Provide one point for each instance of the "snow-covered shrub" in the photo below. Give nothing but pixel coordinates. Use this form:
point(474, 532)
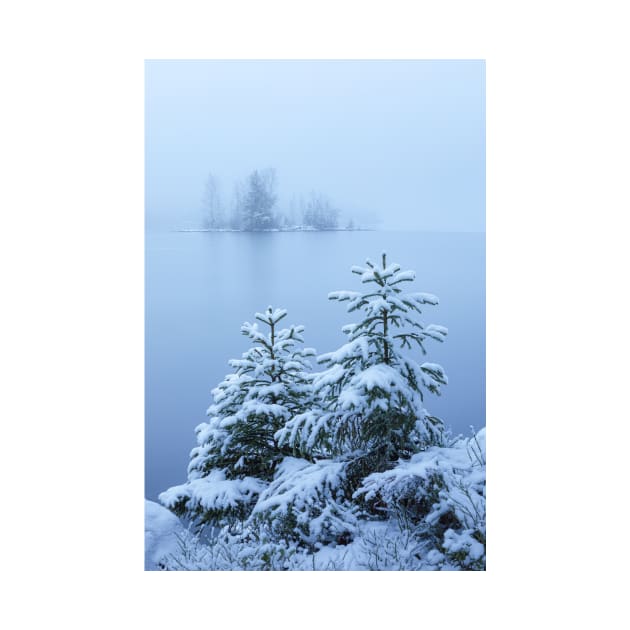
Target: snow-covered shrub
point(246, 550)
point(441, 493)
point(462, 506)
point(466, 548)
point(370, 396)
point(306, 502)
point(398, 546)
point(410, 489)
point(396, 493)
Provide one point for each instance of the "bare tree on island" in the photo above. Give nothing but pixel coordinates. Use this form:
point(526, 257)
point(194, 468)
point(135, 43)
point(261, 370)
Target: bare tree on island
point(213, 216)
point(320, 212)
point(238, 197)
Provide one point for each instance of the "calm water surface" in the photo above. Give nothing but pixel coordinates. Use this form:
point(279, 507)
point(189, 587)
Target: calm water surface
point(200, 287)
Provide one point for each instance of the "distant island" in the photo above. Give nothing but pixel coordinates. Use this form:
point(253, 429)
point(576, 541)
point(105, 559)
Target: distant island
point(253, 208)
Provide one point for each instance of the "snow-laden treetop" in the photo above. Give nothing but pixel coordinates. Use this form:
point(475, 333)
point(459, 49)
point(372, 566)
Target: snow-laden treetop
point(369, 398)
point(388, 319)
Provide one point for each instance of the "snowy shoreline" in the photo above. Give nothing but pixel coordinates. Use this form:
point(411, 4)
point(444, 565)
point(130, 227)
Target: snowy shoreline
point(291, 229)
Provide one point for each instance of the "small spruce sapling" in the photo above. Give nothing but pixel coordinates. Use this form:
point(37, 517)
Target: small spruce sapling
point(371, 394)
point(269, 385)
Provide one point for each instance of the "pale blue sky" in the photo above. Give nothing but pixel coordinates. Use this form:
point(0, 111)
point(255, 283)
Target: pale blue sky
point(401, 140)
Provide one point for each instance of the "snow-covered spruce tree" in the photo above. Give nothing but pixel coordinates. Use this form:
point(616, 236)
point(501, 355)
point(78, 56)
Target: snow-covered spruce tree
point(370, 396)
point(237, 452)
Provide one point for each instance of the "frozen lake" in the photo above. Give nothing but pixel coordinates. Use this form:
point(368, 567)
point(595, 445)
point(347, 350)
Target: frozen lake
point(200, 287)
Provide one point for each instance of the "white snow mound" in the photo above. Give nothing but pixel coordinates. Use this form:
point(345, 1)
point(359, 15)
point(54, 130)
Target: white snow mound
point(162, 533)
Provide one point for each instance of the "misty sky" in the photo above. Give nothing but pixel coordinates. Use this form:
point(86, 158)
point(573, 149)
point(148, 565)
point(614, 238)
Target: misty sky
point(399, 140)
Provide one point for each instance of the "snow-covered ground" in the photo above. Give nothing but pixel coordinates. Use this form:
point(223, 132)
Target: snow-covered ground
point(163, 532)
point(442, 527)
